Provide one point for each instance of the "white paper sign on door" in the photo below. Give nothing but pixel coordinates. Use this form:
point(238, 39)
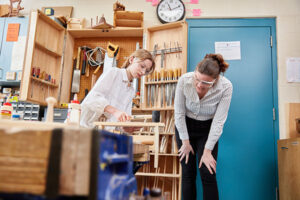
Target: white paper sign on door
point(229, 50)
point(293, 69)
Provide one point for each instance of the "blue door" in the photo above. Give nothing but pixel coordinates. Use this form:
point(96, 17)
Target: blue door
point(246, 167)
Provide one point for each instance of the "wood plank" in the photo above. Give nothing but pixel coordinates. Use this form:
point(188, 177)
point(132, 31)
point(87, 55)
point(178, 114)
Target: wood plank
point(68, 163)
point(21, 177)
point(158, 175)
point(23, 162)
point(292, 112)
point(26, 74)
point(49, 21)
point(288, 168)
point(128, 23)
point(116, 32)
point(67, 71)
point(129, 124)
point(129, 15)
point(83, 157)
point(31, 144)
point(47, 50)
point(22, 188)
point(139, 148)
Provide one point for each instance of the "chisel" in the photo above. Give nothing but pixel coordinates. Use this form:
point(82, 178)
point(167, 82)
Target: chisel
point(162, 75)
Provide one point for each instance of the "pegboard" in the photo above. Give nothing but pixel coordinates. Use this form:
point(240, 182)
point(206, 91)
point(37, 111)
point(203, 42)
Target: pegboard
point(127, 46)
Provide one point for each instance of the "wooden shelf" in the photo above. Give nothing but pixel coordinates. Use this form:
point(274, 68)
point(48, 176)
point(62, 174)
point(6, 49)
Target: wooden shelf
point(166, 154)
point(44, 82)
point(115, 32)
point(158, 109)
point(160, 82)
point(158, 174)
point(48, 51)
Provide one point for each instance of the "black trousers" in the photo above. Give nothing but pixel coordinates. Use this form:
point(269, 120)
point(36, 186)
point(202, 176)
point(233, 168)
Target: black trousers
point(198, 134)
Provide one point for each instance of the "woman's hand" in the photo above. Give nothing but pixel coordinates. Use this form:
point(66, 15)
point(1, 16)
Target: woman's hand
point(121, 116)
point(209, 161)
point(131, 129)
point(185, 150)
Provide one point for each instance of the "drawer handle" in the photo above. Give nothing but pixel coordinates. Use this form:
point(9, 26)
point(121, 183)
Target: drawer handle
point(284, 148)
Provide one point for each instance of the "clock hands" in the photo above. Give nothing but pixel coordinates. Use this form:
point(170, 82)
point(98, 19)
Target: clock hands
point(169, 6)
point(175, 7)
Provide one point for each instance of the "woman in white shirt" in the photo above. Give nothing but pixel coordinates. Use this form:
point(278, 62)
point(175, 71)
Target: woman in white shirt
point(113, 92)
point(202, 102)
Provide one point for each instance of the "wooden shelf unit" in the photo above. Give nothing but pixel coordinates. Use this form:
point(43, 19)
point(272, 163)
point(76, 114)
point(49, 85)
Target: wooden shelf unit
point(44, 82)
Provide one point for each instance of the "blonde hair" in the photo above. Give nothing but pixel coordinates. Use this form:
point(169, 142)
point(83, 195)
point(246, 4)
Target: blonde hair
point(141, 54)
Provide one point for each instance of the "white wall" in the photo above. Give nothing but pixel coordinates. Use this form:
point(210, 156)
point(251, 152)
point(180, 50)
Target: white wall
point(287, 13)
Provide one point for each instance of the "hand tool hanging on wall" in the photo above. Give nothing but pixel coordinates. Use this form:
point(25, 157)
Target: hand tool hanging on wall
point(152, 88)
point(162, 76)
point(113, 52)
point(109, 60)
point(157, 89)
point(76, 74)
point(83, 69)
point(135, 80)
point(98, 63)
point(148, 90)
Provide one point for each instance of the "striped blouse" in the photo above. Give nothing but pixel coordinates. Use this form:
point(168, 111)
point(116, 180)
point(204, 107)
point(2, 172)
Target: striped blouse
point(214, 105)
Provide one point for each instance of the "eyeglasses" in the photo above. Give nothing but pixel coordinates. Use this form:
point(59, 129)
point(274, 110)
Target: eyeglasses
point(206, 84)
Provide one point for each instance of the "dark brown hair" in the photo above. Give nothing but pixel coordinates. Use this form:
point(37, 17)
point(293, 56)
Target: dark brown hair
point(141, 54)
point(212, 65)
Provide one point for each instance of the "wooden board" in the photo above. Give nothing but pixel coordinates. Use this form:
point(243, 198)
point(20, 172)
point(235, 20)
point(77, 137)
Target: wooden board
point(24, 161)
point(75, 164)
point(128, 19)
point(292, 112)
point(288, 168)
point(4, 10)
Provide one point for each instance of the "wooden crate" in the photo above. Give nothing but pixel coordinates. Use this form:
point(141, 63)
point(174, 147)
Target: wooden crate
point(25, 158)
point(172, 39)
point(128, 19)
point(288, 168)
point(47, 49)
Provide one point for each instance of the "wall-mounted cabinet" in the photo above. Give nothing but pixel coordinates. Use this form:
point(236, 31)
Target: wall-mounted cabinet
point(12, 52)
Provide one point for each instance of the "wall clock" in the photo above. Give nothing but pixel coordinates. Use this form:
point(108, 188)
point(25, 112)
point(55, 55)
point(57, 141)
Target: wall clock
point(170, 11)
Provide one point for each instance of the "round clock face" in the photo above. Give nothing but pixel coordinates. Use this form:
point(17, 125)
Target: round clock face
point(170, 11)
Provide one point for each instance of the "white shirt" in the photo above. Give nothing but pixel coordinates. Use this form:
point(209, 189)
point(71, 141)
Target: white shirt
point(214, 105)
point(112, 88)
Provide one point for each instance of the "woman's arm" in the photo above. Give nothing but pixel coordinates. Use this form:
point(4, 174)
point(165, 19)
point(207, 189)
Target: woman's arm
point(219, 118)
point(96, 101)
point(180, 122)
point(180, 110)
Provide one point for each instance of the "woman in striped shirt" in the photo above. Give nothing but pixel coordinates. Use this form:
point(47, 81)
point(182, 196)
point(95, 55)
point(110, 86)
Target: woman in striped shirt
point(202, 102)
